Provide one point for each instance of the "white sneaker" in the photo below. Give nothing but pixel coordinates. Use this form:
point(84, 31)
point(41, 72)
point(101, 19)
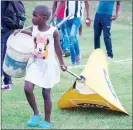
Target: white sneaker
point(6, 87)
point(109, 58)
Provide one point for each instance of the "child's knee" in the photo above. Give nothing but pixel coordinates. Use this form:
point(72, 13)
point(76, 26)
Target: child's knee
point(46, 94)
point(28, 89)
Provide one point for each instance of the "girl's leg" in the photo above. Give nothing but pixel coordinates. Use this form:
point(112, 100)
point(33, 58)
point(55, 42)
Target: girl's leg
point(77, 50)
point(47, 102)
point(65, 42)
point(28, 88)
point(58, 20)
point(74, 32)
point(70, 40)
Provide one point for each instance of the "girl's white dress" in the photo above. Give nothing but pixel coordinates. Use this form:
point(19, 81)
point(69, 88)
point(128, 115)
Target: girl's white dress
point(44, 72)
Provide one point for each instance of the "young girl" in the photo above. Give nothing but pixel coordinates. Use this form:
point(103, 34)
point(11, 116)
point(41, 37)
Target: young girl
point(42, 68)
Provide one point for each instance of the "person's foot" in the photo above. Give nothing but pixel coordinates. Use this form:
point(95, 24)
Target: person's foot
point(45, 124)
point(63, 54)
point(110, 58)
point(73, 63)
point(34, 120)
point(66, 53)
point(6, 86)
point(78, 62)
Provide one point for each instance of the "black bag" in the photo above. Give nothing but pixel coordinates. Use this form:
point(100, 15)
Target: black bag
point(15, 15)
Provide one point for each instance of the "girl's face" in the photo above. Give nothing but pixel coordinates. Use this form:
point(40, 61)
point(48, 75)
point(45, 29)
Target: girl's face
point(37, 18)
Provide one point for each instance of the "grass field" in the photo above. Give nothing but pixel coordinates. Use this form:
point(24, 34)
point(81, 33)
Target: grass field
point(16, 111)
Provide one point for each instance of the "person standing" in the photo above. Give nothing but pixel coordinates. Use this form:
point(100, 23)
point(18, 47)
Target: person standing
point(12, 17)
point(73, 24)
point(5, 33)
point(62, 29)
point(43, 69)
point(103, 20)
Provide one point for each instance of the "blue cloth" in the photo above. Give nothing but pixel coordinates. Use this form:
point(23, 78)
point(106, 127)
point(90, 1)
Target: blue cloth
point(72, 27)
point(103, 22)
point(63, 36)
point(105, 7)
point(4, 5)
point(4, 37)
point(5, 33)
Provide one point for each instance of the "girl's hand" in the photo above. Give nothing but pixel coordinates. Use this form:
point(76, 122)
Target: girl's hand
point(64, 67)
point(16, 32)
point(88, 22)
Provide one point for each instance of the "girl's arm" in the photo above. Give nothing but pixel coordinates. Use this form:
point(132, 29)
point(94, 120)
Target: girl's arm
point(53, 10)
point(87, 7)
point(58, 7)
point(58, 50)
point(24, 31)
point(27, 32)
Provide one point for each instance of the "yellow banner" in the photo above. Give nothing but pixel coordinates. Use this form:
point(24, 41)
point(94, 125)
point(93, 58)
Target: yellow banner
point(97, 91)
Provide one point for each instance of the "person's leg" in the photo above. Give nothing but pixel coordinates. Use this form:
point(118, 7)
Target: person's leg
point(70, 38)
point(76, 45)
point(107, 35)
point(7, 79)
point(65, 42)
point(36, 117)
point(28, 88)
point(80, 29)
point(47, 103)
point(97, 30)
point(77, 51)
point(3, 49)
point(60, 32)
point(47, 108)
point(74, 32)
point(63, 38)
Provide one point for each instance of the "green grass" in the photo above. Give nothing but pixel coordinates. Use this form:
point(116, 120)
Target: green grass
point(16, 111)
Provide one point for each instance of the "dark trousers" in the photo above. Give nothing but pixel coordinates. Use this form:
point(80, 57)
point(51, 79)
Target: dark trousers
point(4, 37)
point(103, 22)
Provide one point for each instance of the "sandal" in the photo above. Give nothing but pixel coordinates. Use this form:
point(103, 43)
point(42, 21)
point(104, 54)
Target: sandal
point(45, 124)
point(34, 120)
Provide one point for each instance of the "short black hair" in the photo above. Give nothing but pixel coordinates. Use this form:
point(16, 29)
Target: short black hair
point(43, 10)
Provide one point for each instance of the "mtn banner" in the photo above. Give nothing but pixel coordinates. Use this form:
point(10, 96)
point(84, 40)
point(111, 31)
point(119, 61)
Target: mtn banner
point(97, 90)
